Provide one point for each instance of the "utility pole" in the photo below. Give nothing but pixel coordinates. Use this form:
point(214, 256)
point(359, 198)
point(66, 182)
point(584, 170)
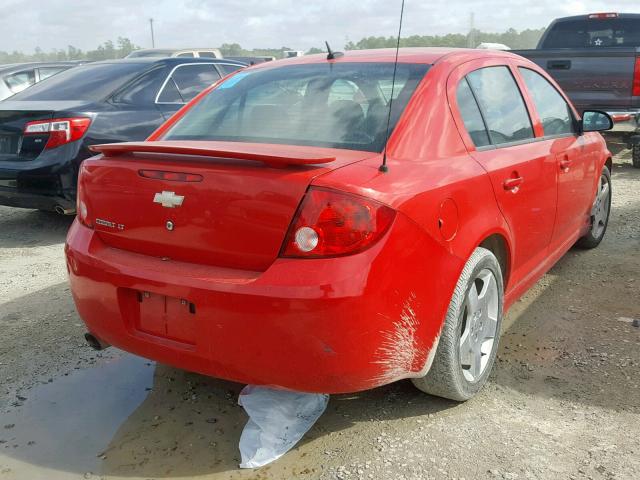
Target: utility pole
point(471, 42)
point(153, 40)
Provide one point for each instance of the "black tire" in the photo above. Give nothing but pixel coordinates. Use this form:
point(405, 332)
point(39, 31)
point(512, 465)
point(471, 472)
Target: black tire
point(635, 155)
point(595, 235)
point(445, 378)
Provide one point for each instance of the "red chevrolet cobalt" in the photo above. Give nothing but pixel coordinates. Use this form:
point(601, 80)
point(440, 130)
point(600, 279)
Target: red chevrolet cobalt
point(320, 225)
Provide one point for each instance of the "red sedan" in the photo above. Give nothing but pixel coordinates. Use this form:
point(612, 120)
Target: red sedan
point(258, 237)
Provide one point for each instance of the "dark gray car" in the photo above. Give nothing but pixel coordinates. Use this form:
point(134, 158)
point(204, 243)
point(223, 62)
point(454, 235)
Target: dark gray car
point(596, 60)
point(16, 77)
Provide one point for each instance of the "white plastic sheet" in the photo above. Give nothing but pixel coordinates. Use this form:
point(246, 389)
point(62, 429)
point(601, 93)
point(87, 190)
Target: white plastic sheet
point(278, 419)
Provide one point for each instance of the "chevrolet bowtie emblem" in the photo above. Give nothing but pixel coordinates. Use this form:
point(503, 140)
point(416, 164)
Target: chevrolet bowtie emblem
point(168, 199)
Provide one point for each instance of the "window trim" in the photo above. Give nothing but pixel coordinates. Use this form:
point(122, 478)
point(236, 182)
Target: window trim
point(166, 80)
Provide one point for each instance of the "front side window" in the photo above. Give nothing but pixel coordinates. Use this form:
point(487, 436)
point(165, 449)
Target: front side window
point(228, 68)
point(187, 81)
point(554, 111)
point(343, 105)
point(471, 116)
point(502, 105)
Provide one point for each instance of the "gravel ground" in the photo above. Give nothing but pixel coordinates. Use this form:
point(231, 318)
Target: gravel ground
point(563, 402)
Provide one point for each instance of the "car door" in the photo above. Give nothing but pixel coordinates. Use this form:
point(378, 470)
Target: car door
point(500, 136)
point(575, 163)
point(183, 84)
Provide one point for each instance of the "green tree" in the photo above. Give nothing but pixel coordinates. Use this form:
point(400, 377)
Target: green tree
point(232, 50)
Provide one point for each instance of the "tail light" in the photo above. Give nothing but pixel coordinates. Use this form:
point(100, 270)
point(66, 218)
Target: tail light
point(635, 90)
point(61, 130)
point(82, 210)
point(331, 224)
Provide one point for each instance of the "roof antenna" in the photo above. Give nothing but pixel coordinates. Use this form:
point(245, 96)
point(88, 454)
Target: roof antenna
point(383, 168)
point(332, 55)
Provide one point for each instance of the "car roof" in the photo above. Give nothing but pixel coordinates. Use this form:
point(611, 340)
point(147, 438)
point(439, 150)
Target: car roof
point(173, 49)
point(20, 66)
point(586, 17)
point(425, 55)
point(168, 61)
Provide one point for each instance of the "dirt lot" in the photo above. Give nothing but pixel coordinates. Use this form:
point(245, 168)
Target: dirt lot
point(563, 402)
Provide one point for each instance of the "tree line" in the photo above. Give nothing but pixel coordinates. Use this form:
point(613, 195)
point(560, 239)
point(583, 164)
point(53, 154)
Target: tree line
point(123, 46)
point(107, 51)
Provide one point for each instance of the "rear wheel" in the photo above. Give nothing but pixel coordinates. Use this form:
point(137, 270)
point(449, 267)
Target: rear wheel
point(600, 212)
point(468, 342)
point(635, 155)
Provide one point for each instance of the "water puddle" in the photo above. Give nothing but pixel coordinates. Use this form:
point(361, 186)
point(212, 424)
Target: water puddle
point(63, 426)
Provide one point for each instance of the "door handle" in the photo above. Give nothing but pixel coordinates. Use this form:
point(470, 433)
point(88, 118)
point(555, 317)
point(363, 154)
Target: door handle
point(565, 163)
point(559, 65)
point(512, 184)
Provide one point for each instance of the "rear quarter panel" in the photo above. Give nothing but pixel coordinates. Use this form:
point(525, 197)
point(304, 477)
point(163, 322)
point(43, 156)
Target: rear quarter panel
point(434, 182)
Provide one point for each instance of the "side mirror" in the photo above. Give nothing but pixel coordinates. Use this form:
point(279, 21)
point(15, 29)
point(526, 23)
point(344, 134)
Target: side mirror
point(596, 121)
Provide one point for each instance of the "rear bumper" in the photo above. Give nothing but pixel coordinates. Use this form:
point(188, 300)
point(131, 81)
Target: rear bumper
point(328, 325)
point(46, 182)
point(15, 197)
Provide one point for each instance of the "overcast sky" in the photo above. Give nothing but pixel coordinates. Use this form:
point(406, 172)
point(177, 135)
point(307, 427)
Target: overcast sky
point(266, 23)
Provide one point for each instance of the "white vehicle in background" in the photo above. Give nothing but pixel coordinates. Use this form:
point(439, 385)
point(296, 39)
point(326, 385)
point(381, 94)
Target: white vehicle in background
point(175, 52)
point(493, 46)
point(16, 77)
point(293, 53)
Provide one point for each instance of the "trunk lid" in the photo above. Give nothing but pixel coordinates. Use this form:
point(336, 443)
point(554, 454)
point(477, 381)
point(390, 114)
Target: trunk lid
point(14, 115)
point(226, 204)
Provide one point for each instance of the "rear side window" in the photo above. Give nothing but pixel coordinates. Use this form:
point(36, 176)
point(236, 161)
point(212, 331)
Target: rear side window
point(187, 81)
point(206, 55)
point(594, 33)
point(185, 55)
point(471, 115)
point(553, 109)
point(20, 80)
point(501, 103)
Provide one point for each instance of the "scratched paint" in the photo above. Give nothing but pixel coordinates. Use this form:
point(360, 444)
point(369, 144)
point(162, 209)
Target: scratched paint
point(400, 349)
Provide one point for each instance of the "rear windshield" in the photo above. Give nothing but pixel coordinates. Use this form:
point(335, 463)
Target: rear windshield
point(338, 105)
point(594, 33)
point(86, 82)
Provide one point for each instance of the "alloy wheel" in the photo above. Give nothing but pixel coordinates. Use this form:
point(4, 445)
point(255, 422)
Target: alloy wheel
point(479, 325)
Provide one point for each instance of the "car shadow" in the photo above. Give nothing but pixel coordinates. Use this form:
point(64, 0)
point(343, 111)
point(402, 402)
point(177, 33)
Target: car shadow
point(20, 228)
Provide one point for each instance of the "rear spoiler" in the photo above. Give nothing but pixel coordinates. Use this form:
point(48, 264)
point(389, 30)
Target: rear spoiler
point(274, 155)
